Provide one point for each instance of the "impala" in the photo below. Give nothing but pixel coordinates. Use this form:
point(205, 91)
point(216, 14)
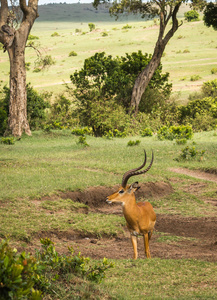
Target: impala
point(140, 217)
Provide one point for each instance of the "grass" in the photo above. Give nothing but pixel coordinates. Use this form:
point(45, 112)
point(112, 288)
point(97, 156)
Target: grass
point(35, 169)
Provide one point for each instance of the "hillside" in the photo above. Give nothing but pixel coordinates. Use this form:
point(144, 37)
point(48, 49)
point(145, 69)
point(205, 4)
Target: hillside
point(84, 13)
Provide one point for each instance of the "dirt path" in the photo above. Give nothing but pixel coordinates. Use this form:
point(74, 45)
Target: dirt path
point(196, 174)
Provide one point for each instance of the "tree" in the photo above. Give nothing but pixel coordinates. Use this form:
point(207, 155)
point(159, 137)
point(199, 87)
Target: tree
point(191, 16)
point(102, 101)
point(167, 11)
point(210, 15)
point(14, 39)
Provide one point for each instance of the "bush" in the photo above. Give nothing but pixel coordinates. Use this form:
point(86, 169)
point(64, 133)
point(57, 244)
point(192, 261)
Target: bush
point(146, 132)
point(55, 34)
point(133, 143)
point(214, 71)
point(189, 153)
point(24, 276)
point(191, 16)
point(32, 37)
point(195, 77)
point(91, 26)
point(209, 88)
point(82, 141)
point(82, 131)
point(175, 132)
point(36, 106)
point(8, 140)
point(73, 53)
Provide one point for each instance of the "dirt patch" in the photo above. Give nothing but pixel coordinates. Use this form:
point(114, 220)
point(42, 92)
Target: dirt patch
point(197, 174)
point(197, 240)
point(95, 197)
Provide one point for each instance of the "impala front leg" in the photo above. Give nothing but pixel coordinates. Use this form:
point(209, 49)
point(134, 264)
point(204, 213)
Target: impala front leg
point(134, 243)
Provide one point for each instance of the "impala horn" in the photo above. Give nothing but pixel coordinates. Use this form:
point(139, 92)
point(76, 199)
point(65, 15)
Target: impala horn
point(136, 171)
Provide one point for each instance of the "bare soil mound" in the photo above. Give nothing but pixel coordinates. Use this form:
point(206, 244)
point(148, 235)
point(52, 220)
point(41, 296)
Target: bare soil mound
point(95, 197)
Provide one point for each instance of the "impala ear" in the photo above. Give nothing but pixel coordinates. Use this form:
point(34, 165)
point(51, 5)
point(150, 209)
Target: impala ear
point(134, 186)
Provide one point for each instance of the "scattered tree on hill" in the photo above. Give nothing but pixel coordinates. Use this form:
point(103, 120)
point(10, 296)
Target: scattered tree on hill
point(210, 15)
point(14, 35)
point(167, 11)
point(192, 15)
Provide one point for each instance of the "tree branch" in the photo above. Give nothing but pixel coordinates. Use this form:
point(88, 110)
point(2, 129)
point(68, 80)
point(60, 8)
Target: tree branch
point(3, 12)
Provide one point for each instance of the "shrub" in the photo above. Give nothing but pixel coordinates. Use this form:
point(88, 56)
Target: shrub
point(195, 77)
point(189, 153)
point(175, 132)
point(133, 143)
point(8, 140)
point(17, 274)
point(32, 37)
point(127, 26)
point(24, 276)
point(91, 26)
point(55, 34)
point(191, 16)
point(82, 141)
point(36, 105)
point(82, 131)
point(209, 88)
point(146, 132)
point(214, 71)
point(104, 33)
point(73, 53)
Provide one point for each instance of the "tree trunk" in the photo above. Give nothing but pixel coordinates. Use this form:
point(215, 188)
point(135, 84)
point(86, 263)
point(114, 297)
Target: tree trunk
point(17, 121)
point(14, 42)
point(144, 78)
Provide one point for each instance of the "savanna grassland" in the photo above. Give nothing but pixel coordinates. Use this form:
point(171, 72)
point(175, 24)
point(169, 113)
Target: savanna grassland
point(190, 55)
point(52, 186)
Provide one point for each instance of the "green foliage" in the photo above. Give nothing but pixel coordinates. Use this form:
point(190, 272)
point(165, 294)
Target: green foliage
point(127, 26)
point(175, 132)
point(17, 274)
point(23, 276)
point(103, 101)
point(44, 62)
point(91, 26)
point(191, 16)
point(61, 111)
point(209, 88)
point(195, 77)
point(55, 34)
point(146, 132)
point(133, 143)
point(82, 141)
point(201, 113)
point(214, 71)
point(189, 153)
point(73, 53)
point(36, 106)
point(210, 14)
point(104, 33)
point(82, 131)
point(181, 141)
point(8, 140)
point(32, 37)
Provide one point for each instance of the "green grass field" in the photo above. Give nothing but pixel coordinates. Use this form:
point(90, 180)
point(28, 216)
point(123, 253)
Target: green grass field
point(192, 50)
point(45, 164)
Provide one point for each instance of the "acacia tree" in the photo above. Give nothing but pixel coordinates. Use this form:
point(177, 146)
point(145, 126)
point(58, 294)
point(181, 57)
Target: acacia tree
point(14, 42)
point(167, 11)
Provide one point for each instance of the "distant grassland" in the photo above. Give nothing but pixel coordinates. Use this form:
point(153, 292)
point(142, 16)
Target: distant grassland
point(192, 50)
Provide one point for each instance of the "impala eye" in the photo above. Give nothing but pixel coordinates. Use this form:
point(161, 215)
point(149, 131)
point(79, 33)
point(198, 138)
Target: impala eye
point(121, 192)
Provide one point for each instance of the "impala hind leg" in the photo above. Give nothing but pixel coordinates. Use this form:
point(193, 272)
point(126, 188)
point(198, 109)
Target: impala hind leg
point(134, 243)
point(146, 244)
